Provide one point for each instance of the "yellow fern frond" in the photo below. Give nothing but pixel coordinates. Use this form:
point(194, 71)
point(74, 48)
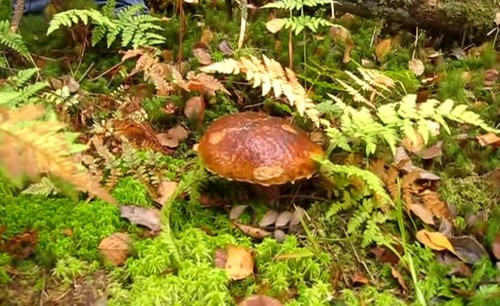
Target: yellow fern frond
point(270, 75)
point(31, 146)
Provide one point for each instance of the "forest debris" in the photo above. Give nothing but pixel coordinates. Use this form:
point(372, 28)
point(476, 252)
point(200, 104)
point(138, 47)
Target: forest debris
point(495, 247)
point(401, 281)
point(488, 139)
point(165, 191)
point(434, 203)
point(260, 300)
point(275, 25)
point(416, 66)
point(490, 78)
point(359, 279)
point(269, 218)
point(236, 211)
point(384, 255)
point(115, 248)
point(251, 231)
point(342, 35)
point(283, 219)
point(297, 216)
point(195, 109)
point(225, 48)
point(422, 213)
point(167, 140)
point(434, 240)
point(468, 249)
point(148, 217)
point(279, 235)
point(383, 48)
point(205, 84)
point(236, 260)
point(178, 132)
point(431, 152)
point(458, 267)
point(202, 54)
point(22, 245)
point(140, 134)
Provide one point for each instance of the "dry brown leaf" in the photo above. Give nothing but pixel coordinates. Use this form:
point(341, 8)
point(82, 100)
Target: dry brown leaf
point(432, 152)
point(433, 202)
point(422, 213)
point(225, 48)
point(148, 217)
point(279, 235)
point(488, 139)
point(21, 246)
point(384, 255)
point(239, 263)
point(251, 231)
point(495, 247)
point(275, 25)
point(468, 249)
point(260, 300)
point(283, 219)
point(434, 240)
point(195, 109)
point(165, 191)
point(416, 66)
point(395, 273)
point(115, 248)
point(141, 135)
point(383, 48)
point(202, 55)
point(297, 216)
point(236, 211)
point(342, 35)
point(205, 83)
point(207, 36)
point(268, 218)
point(359, 279)
point(178, 132)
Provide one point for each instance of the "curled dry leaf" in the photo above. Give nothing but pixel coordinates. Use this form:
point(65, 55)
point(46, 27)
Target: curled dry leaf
point(359, 279)
point(148, 217)
point(279, 235)
point(431, 152)
point(178, 132)
point(416, 66)
point(283, 219)
point(260, 300)
point(269, 218)
point(401, 281)
point(468, 249)
point(225, 48)
point(488, 139)
point(275, 25)
point(195, 109)
point(384, 255)
point(167, 140)
point(239, 263)
point(202, 55)
point(251, 231)
point(165, 191)
point(236, 211)
point(458, 267)
point(115, 248)
point(434, 240)
point(297, 216)
point(422, 213)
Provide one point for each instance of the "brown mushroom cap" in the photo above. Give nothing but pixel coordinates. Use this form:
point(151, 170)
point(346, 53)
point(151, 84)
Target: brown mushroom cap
point(257, 148)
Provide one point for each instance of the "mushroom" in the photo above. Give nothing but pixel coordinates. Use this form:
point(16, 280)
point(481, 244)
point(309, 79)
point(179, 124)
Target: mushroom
point(258, 149)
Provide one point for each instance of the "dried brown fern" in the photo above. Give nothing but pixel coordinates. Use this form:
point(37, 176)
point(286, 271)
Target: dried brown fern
point(270, 75)
point(31, 146)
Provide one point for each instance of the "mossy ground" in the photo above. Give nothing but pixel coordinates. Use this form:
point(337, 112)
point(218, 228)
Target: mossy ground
point(67, 268)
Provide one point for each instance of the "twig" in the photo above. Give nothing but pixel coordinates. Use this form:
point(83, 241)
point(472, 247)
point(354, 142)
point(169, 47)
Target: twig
point(17, 16)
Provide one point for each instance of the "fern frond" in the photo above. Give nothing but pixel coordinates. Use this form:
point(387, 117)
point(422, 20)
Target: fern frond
point(31, 146)
point(45, 187)
point(270, 75)
point(13, 41)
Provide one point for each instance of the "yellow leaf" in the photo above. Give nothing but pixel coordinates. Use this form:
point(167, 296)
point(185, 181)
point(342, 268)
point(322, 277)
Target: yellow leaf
point(383, 48)
point(239, 262)
point(275, 25)
point(434, 240)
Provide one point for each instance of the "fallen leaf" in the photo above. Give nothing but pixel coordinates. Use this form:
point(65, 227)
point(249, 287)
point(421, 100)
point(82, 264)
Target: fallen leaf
point(275, 25)
point(220, 258)
point(226, 48)
point(195, 109)
point(148, 217)
point(167, 140)
point(115, 248)
point(202, 55)
point(251, 231)
point(457, 267)
point(206, 36)
point(490, 78)
point(488, 139)
point(297, 216)
point(495, 247)
point(433, 202)
point(416, 66)
point(431, 152)
point(260, 300)
point(236, 211)
point(165, 191)
point(342, 35)
point(178, 132)
point(239, 263)
point(384, 255)
point(279, 235)
point(21, 246)
point(283, 219)
point(468, 249)
point(422, 213)
point(383, 48)
point(359, 279)
point(268, 218)
point(434, 240)
point(395, 273)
